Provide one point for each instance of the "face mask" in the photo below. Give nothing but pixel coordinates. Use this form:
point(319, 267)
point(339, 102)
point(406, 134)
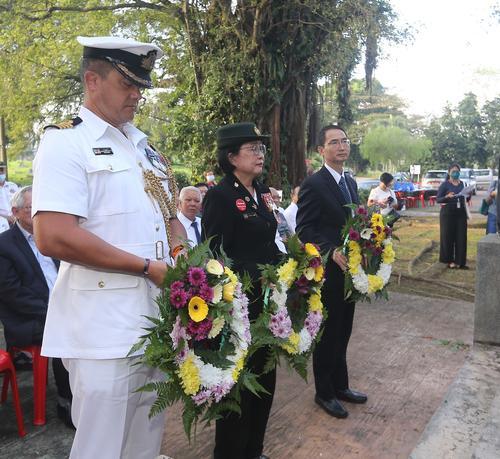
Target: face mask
point(455, 175)
point(2, 177)
point(210, 178)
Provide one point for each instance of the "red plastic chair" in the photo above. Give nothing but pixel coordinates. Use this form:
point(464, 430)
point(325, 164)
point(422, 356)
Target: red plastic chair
point(432, 200)
point(7, 367)
point(421, 196)
point(40, 369)
point(411, 201)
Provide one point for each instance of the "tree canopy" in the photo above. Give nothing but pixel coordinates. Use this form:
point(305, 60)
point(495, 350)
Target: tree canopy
point(226, 61)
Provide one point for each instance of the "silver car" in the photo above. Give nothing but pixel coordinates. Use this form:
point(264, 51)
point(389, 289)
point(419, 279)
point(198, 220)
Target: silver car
point(433, 179)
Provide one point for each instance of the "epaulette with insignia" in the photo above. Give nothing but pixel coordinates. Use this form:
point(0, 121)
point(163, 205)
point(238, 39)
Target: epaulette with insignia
point(65, 124)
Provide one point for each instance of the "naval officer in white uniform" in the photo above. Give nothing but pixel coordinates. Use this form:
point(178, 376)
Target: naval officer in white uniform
point(92, 212)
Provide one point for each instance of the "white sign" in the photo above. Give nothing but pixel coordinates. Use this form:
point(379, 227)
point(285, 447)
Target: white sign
point(415, 169)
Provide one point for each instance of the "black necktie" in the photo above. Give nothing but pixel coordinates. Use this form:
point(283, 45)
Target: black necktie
point(196, 232)
point(345, 190)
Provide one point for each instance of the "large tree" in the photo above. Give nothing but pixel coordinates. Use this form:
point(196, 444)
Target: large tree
point(226, 61)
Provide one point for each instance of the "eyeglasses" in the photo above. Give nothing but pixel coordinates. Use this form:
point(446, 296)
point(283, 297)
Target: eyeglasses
point(256, 149)
point(337, 142)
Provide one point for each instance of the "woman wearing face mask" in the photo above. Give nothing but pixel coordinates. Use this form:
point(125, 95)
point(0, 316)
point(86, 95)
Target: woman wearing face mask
point(453, 220)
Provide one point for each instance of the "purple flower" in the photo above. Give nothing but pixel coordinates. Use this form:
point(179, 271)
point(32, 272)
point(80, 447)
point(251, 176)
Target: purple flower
point(361, 211)
point(178, 298)
point(177, 285)
point(353, 235)
point(206, 292)
point(315, 262)
point(199, 330)
point(302, 284)
point(196, 276)
point(178, 332)
point(221, 390)
point(313, 322)
point(280, 324)
point(201, 397)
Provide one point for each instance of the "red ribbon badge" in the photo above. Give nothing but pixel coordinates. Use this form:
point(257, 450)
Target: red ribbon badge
point(240, 205)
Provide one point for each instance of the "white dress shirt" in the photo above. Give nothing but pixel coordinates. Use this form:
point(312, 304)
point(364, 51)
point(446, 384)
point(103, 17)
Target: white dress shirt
point(290, 214)
point(188, 226)
point(46, 263)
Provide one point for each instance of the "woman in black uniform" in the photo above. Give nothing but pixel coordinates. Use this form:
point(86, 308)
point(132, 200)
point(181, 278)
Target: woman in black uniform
point(238, 214)
point(452, 220)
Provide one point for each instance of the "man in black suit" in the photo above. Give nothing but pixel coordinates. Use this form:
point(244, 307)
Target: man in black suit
point(26, 279)
point(320, 217)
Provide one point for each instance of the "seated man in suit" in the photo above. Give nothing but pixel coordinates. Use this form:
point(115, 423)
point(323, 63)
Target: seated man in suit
point(26, 280)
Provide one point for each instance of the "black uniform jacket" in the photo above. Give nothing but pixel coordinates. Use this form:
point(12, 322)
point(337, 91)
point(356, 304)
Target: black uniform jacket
point(321, 213)
point(24, 294)
point(244, 228)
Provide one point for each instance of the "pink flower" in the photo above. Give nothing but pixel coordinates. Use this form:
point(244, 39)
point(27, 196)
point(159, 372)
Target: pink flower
point(313, 322)
point(206, 292)
point(178, 298)
point(201, 397)
point(199, 330)
point(361, 211)
point(353, 235)
point(178, 333)
point(177, 285)
point(196, 276)
point(302, 284)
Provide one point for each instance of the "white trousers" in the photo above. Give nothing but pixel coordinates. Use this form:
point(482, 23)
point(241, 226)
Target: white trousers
point(111, 419)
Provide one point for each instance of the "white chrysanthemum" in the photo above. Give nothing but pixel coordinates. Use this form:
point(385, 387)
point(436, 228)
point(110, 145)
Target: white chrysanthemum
point(385, 272)
point(209, 375)
point(305, 341)
point(366, 233)
point(279, 295)
point(217, 326)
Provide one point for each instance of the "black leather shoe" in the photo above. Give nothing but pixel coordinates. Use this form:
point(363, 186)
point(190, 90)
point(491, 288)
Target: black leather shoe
point(64, 414)
point(332, 406)
point(352, 396)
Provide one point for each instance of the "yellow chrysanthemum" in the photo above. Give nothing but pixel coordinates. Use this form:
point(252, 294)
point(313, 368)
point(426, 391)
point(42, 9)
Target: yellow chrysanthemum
point(354, 260)
point(311, 250)
point(388, 256)
point(292, 345)
point(232, 277)
point(375, 283)
point(190, 376)
point(286, 273)
point(217, 326)
point(237, 369)
point(315, 303)
point(228, 292)
point(377, 220)
point(197, 309)
point(318, 273)
point(214, 267)
point(354, 248)
point(309, 273)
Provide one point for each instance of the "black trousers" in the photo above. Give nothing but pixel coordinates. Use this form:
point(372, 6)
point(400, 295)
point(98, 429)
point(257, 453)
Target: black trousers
point(329, 358)
point(242, 437)
point(453, 235)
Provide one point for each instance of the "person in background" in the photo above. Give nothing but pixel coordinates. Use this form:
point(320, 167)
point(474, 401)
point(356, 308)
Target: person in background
point(209, 175)
point(26, 281)
point(491, 222)
point(383, 195)
point(189, 207)
point(7, 190)
point(452, 221)
point(283, 232)
point(290, 212)
point(238, 216)
point(203, 187)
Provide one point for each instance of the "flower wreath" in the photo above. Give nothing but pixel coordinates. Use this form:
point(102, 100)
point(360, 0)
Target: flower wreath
point(368, 245)
point(293, 313)
point(200, 340)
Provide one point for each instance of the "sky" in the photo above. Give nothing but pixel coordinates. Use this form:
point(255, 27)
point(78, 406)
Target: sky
point(455, 50)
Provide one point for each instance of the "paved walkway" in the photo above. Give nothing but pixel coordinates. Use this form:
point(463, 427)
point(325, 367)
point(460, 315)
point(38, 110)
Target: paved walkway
point(404, 353)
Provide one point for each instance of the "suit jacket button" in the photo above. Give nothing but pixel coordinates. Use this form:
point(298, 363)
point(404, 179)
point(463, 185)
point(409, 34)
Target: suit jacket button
point(101, 284)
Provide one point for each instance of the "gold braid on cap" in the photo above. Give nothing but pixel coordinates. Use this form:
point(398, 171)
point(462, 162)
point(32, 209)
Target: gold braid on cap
point(153, 186)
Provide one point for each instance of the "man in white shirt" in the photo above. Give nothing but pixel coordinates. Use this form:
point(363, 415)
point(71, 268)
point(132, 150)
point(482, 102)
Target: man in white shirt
point(290, 212)
point(189, 207)
point(104, 204)
point(7, 190)
point(383, 195)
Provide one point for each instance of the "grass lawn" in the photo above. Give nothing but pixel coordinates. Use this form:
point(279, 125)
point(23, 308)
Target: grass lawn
point(427, 273)
point(20, 172)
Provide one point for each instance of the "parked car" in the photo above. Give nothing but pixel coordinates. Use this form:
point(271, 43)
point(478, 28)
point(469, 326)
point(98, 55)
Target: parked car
point(367, 184)
point(433, 179)
point(484, 177)
point(467, 176)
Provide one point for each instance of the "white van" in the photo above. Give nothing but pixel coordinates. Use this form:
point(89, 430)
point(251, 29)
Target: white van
point(484, 177)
